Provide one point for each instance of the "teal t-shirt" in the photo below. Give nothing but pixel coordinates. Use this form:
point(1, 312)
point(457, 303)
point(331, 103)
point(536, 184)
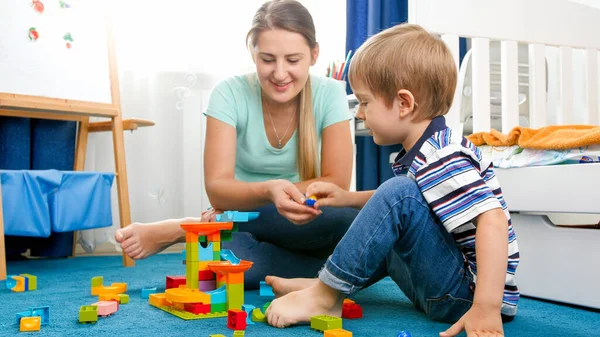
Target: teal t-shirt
point(237, 102)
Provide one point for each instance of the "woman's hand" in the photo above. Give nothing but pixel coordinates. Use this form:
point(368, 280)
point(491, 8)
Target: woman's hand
point(290, 202)
point(328, 194)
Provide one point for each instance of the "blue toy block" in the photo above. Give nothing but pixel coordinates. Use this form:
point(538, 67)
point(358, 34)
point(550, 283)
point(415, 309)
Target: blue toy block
point(23, 314)
point(266, 290)
point(228, 255)
point(10, 282)
point(248, 309)
point(43, 312)
point(235, 216)
point(205, 254)
point(403, 334)
point(147, 291)
point(218, 296)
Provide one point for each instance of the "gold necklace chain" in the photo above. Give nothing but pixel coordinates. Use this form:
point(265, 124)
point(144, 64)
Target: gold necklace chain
point(279, 144)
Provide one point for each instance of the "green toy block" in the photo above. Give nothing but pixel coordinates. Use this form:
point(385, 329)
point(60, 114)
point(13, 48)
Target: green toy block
point(218, 307)
point(123, 298)
point(226, 236)
point(202, 239)
point(31, 281)
point(325, 322)
point(189, 316)
point(217, 256)
point(88, 313)
point(264, 309)
point(235, 296)
point(258, 316)
point(235, 227)
point(238, 333)
point(97, 281)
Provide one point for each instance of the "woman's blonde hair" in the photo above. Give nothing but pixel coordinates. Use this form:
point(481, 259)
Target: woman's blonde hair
point(406, 56)
point(292, 16)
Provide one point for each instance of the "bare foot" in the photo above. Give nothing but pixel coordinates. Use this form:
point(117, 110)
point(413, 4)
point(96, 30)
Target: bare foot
point(140, 241)
point(299, 306)
point(283, 286)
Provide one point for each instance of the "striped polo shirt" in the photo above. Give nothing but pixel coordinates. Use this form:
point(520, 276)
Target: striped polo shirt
point(459, 184)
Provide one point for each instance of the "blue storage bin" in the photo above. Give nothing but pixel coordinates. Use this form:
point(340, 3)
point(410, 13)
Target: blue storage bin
point(25, 201)
point(82, 201)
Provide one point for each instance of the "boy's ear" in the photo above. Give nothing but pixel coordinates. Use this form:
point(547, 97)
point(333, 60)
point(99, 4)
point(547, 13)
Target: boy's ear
point(314, 54)
point(406, 102)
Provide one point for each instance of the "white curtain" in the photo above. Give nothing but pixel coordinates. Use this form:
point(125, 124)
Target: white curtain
point(170, 55)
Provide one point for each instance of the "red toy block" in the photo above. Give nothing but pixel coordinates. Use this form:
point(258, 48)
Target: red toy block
point(352, 311)
point(175, 281)
point(205, 275)
point(197, 308)
point(236, 319)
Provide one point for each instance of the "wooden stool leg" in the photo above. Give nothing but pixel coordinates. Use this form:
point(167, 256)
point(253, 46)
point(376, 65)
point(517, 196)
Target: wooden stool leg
point(2, 247)
point(122, 186)
point(80, 153)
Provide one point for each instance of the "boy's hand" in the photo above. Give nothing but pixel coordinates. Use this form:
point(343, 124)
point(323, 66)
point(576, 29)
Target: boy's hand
point(477, 322)
point(328, 194)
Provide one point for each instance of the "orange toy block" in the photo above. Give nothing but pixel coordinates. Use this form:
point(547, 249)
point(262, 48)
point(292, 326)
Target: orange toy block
point(215, 237)
point(158, 300)
point(109, 297)
point(348, 301)
point(30, 323)
point(337, 333)
point(235, 278)
point(113, 289)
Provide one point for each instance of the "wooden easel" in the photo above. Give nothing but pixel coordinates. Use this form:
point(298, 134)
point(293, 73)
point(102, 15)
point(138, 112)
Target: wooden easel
point(27, 106)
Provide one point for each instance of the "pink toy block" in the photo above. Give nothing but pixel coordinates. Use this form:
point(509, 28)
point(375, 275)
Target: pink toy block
point(207, 285)
point(106, 308)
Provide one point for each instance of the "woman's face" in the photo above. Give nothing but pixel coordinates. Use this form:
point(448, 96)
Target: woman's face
point(283, 59)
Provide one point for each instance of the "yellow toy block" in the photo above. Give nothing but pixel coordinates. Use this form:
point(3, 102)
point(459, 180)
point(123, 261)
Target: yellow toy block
point(113, 289)
point(238, 333)
point(31, 281)
point(157, 300)
point(216, 246)
point(20, 286)
point(337, 333)
point(109, 297)
point(123, 298)
point(217, 335)
point(258, 316)
point(30, 323)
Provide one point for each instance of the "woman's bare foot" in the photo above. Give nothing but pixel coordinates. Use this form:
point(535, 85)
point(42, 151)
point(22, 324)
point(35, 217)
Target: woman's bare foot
point(299, 306)
point(140, 241)
point(283, 286)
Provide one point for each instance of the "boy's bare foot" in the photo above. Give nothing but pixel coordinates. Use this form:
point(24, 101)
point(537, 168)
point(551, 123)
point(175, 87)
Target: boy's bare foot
point(140, 241)
point(299, 306)
point(283, 286)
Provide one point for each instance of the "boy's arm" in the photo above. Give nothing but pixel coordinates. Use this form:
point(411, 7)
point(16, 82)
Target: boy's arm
point(359, 199)
point(491, 239)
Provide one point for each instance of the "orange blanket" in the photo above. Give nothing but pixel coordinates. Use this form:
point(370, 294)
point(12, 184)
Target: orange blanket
point(557, 137)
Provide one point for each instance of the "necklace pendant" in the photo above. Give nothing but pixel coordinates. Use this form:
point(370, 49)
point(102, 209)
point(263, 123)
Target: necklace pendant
point(279, 144)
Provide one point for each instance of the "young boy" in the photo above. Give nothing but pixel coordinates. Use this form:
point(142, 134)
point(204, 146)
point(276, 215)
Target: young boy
point(440, 229)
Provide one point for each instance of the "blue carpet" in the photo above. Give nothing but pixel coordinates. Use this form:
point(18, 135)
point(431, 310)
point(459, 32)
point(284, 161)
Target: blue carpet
point(64, 285)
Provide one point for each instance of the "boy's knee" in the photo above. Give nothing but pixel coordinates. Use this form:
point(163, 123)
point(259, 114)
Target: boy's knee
point(399, 186)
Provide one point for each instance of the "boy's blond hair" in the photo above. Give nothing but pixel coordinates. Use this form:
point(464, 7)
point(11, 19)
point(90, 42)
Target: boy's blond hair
point(408, 57)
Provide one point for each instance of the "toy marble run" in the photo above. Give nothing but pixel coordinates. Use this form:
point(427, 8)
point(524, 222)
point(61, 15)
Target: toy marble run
point(214, 280)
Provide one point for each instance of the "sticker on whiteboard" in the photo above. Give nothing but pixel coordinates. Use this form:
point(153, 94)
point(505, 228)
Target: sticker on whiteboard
point(33, 34)
point(64, 4)
point(37, 6)
point(69, 40)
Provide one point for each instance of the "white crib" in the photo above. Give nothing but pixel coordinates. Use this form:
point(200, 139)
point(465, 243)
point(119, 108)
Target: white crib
point(557, 263)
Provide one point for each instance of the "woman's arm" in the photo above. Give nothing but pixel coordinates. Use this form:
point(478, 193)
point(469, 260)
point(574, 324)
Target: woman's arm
point(224, 191)
point(337, 151)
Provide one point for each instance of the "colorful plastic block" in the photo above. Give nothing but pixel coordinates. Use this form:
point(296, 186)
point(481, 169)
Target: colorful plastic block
point(325, 322)
point(147, 291)
point(88, 314)
point(16, 283)
point(239, 333)
point(30, 281)
point(43, 312)
point(310, 201)
point(219, 295)
point(30, 324)
point(403, 334)
point(235, 296)
point(106, 308)
point(236, 319)
point(352, 311)
point(157, 300)
point(207, 285)
point(266, 290)
point(174, 281)
point(265, 307)
point(197, 308)
point(204, 275)
point(206, 253)
point(217, 335)
point(23, 314)
point(123, 298)
point(189, 316)
point(248, 309)
point(258, 316)
point(337, 333)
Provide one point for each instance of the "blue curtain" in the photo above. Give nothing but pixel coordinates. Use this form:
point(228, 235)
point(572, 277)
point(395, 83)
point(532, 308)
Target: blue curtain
point(365, 18)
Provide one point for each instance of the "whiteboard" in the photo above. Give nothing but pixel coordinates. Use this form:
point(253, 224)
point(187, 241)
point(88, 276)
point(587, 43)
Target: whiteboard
point(46, 66)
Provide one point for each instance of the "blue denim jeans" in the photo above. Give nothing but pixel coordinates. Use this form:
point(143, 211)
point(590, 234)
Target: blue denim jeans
point(280, 248)
point(397, 234)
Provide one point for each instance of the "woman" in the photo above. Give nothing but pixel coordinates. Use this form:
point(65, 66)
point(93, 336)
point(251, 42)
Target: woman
point(269, 135)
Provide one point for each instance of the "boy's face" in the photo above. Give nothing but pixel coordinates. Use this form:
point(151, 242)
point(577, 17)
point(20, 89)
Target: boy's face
point(383, 122)
point(283, 59)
